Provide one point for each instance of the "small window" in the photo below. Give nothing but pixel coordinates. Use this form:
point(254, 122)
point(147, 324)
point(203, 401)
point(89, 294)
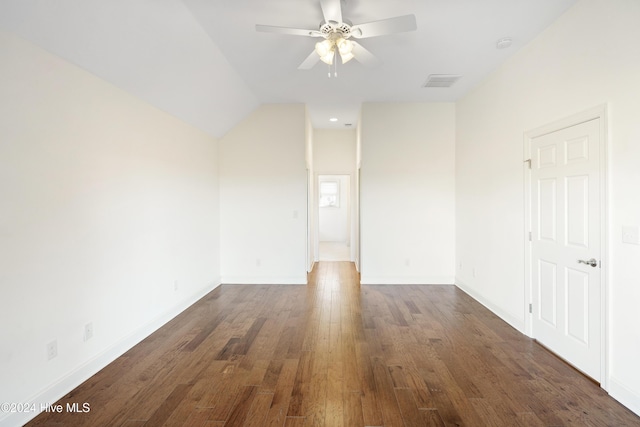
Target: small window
point(329, 194)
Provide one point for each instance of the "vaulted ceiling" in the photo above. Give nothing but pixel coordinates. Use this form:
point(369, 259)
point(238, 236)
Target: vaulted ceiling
point(203, 62)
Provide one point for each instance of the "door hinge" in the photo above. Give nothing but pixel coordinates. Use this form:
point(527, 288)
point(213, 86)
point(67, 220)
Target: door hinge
point(528, 162)
point(530, 308)
point(530, 238)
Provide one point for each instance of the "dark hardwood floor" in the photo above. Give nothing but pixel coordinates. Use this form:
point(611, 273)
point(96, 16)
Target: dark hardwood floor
point(337, 354)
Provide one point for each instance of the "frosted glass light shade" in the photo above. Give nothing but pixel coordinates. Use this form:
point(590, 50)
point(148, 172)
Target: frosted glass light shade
point(346, 57)
point(324, 47)
point(344, 46)
point(328, 58)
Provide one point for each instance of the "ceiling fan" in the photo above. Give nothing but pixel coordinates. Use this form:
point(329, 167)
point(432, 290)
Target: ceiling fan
point(337, 32)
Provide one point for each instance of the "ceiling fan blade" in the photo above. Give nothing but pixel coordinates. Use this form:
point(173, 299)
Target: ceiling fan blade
point(363, 56)
point(309, 63)
point(332, 10)
point(399, 24)
point(288, 31)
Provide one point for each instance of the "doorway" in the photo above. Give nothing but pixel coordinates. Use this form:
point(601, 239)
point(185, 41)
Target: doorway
point(566, 218)
point(334, 217)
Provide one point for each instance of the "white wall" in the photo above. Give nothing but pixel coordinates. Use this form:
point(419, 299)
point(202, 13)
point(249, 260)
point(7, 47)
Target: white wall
point(589, 57)
point(407, 193)
point(106, 203)
point(263, 197)
point(334, 153)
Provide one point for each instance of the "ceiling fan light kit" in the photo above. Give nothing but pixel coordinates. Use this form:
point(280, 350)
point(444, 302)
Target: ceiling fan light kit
point(337, 32)
point(326, 49)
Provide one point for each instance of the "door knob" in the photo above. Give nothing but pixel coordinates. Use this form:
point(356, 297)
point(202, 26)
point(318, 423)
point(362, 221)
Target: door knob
point(592, 262)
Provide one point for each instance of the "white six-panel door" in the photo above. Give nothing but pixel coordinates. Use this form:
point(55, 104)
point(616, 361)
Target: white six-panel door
point(566, 247)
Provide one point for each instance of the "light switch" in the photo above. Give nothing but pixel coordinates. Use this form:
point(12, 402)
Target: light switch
point(631, 234)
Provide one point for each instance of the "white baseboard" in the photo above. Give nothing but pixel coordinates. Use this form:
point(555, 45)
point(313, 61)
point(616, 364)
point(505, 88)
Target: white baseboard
point(624, 395)
point(73, 379)
point(509, 318)
point(427, 280)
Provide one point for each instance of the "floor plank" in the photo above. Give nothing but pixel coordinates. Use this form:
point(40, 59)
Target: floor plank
point(334, 353)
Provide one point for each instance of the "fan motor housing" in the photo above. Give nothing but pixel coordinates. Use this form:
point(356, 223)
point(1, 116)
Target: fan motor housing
point(333, 27)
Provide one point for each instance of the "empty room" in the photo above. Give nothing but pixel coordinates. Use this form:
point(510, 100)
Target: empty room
point(319, 212)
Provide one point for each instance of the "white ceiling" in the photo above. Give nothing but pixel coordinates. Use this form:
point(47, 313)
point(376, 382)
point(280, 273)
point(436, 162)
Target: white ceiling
point(203, 61)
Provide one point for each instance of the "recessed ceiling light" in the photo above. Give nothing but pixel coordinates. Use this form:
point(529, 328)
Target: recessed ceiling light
point(333, 119)
point(504, 43)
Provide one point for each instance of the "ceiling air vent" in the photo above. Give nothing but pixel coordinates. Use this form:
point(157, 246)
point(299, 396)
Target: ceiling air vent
point(441, 80)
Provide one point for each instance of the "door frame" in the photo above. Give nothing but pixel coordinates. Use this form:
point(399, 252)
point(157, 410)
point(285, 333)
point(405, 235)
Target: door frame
point(599, 112)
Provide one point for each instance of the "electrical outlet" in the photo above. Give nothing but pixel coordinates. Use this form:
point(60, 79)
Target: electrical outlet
point(175, 286)
point(52, 349)
point(88, 331)
point(258, 262)
point(407, 262)
point(473, 272)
